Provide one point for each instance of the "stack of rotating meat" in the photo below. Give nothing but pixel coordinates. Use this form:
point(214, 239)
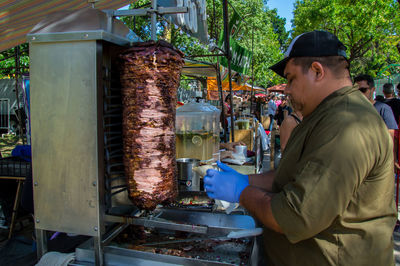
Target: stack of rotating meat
point(150, 78)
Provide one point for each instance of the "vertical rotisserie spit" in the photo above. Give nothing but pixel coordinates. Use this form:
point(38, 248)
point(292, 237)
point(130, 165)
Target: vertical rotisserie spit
point(150, 78)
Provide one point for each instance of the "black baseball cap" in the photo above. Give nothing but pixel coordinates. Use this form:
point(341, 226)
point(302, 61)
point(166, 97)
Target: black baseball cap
point(311, 44)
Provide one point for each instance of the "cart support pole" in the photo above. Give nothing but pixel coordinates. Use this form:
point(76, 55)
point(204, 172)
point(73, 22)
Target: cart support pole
point(221, 99)
point(18, 113)
point(154, 20)
point(228, 57)
point(252, 71)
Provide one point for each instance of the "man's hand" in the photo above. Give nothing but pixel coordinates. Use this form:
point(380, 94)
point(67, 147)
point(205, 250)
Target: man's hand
point(396, 167)
point(231, 145)
point(225, 185)
point(225, 154)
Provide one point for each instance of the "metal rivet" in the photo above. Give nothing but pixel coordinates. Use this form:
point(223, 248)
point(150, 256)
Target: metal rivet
point(95, 228)
point(36, 183)
point(37, 220)
point(94, 183)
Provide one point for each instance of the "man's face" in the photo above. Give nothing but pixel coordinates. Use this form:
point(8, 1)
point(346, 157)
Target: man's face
point(298, 87)
point(365, 89)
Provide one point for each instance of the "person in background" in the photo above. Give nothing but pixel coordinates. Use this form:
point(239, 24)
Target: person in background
point(271, 111)
point(229, 149)
point(283, 110)
point(227, 109)
point(398, 90)
point(278, 101)
point(394, 103)
point(288, 125)
point(380, 98)
point(366, 85)
point(331, 200)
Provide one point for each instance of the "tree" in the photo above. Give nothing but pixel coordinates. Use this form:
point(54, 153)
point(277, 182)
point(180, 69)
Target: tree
point(278, 24)
point(7, 61)
point(267, 27)
point(369, 29)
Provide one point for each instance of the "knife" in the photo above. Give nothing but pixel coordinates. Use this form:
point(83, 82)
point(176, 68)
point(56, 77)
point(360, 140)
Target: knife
point(232, 235)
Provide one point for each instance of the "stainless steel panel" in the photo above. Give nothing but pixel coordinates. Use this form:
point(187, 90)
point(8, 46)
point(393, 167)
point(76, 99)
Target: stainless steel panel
point(147, 222)
point(65, 153)
point(121, 256)
point(41, 242)
point(80, 36)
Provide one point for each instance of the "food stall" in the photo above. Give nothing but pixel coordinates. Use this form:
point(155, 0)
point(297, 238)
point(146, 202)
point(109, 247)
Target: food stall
point(80, 185)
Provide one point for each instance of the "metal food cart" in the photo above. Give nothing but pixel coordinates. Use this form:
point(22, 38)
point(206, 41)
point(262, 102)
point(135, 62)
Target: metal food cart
point(78, 174)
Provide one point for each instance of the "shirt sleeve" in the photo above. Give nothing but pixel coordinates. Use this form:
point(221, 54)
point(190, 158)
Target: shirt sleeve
point(389, 119)
point(334, 163)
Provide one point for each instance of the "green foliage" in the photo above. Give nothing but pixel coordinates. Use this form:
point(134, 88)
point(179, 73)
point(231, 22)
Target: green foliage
point(266, 44)
point(270, 36)
point(369, 29)
point(262, 31)
point(8, 143)
point(7, 61)
point(278, 24)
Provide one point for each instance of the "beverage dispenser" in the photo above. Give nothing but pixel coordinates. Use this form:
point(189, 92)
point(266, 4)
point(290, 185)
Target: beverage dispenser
point(197, 131)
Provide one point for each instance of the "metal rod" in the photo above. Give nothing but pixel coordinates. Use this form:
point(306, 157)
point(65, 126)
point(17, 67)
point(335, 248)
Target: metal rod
point(119, 151)
point(109, 133)
point(41, 241)
point(113, 125)
point(113, 165)
point(108, 146)
point(145, 11)
point(154, 20)
point(118, 186)
point(158, 224)
point(17, 93)
point(221, 99)
point(252, 71)
point(111, 115)
point(108, 139)
point(205, 55)
point(119, 191)
point(118, 173)
point(15, 208)
point(98, 250)
point(113, 233)
point(110, 156)
point(228, 57)
point(116, 178)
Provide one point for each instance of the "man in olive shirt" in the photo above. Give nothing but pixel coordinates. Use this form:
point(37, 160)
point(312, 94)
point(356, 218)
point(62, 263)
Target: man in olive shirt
point(330, 202)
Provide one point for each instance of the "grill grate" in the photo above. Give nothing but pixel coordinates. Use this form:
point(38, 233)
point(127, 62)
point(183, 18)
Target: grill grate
point(13, 166)
point(115, 182)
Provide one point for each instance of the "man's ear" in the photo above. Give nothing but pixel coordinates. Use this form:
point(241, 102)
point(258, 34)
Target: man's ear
point(318, 70)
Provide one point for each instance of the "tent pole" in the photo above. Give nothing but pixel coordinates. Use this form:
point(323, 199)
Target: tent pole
point(221, 99)
point(252, 71)
point(154, 20)
point(228, 57)
point(17, 93)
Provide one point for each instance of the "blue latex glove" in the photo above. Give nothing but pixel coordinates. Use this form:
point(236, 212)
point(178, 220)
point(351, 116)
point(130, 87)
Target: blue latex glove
point(225, 185)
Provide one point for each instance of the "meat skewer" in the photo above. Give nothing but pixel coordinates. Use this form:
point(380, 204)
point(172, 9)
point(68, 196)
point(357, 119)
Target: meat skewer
point(150, 78)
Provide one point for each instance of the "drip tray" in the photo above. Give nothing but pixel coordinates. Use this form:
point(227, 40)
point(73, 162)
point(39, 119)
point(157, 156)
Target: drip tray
point(205, 252)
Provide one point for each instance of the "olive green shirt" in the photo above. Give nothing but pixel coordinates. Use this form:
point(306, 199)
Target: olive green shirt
point(335, 185)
